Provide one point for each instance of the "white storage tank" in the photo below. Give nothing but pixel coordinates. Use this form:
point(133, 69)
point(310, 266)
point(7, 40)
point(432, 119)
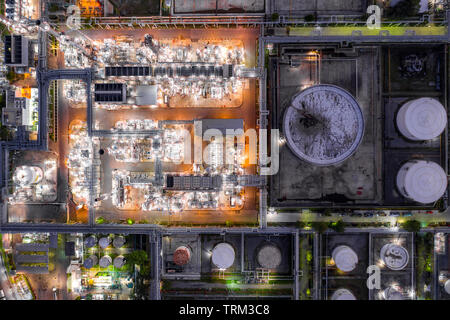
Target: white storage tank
point(105, 261)
point(27, 175)
point(422, 181)
point(119, 262)
point(392, 293)
point(182, 256)
point(223, 256)
point(447, 286)
point(269, 256)
point(104, 242)
point(91, 261)
point(118, 242)
point(422, 119)
point(345, 258)
point(343, 294)
point(394, 256)
point(90, 241)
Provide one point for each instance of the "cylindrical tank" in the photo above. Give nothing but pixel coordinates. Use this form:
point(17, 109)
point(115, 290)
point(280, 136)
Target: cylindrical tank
point(394, 256)
point(118, 242)
point(422, 181)
point(447, 286)
point(392, 293)
point(223, 255)
point(182, 256)
point(28, 175)
point(91, 261)
point(90, 241)
point(105, 261)
point(119, 262)
point(269, 256)
point(104, 242)
point(343, 294)
point(422, 119)
point(345, 258)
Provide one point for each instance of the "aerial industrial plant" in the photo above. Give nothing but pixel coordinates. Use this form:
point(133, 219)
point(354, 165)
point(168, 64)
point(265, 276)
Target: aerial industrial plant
point(217, 150)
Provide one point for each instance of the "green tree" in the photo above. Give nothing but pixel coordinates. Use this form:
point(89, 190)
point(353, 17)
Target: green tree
point(337, 226)
point(138, 257)
point(310, 18)
point(411, 226)
point(319, 226)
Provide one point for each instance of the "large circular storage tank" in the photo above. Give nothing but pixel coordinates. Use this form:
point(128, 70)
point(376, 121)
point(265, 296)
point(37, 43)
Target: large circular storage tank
point(182, 256)
point(391, 293)
point(91, 261)
point(343, 294)
point(90, 241)
point(105, 261)
point(345, 258)
point(118, 242)
point(119, 262)
point(447, 286)
point(394, 256)
point(422, 119)
point(324, 125)
point(104, 242)
point(223, 255)
point(422, 181)
point(27, 175)
point(269, 256)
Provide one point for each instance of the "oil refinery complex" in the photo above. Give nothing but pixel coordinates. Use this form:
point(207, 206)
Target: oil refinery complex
point(243, 150)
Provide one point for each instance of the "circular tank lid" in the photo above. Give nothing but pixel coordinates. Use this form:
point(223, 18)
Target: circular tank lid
point(343, 294)
point(424, 181)
point(89, 242)
point(119, 261)
point(447, 286)
point(269, 257)
point(324, 125)
point(118, 242)
point(105, 261)
point(394, 256)
point(26, 175)
point(345, 258)
point(223, 255)
point(391, 293)
point(181, 256)
point(88, 263)
point(424, 118)
point(104, 242)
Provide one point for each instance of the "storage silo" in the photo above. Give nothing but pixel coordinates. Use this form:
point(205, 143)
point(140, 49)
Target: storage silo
point(90, 241)
point(324, 125)
point(223, 256)
point(182, 256)
point(104, 242)
point(105, 261)
point(447, 286)
point(119, 262)
point(394, 256)
point(91, 261)
point(422, 181)
point(269, 256)
point(343, 294)
point(345, 258)
point(27, 175)
point(118, 242)
point(391, 293)
point(422, 119)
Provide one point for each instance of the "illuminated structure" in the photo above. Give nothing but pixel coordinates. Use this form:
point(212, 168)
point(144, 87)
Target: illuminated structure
point(90, 241)
point(343, 294)
point(182, 256)
point(223, 256)
point(394, 256)
point(345, 258)
point(269, 256)
point(119, 262)
point(26, 175)
point(105, 261)
point(118, 242)
point(391, 293)
point(104, 242)
point(422, 181)
point(90, 262)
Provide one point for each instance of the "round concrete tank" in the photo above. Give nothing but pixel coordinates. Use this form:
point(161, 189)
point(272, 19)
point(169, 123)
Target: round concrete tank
point(447, 286)
point(27, 175)
point(324, 125)
point(392, 293)
point(343, 294)
point(104, 242)
point(223, 256)
point(422, 119)
point(182, 256)
point(269, 256)
point(118, 242)
point(119, 262)
point(394, 256)
point(422, 181)
point(91, 261)
point(90, 241)
point(105, 261)
point(345, 258)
